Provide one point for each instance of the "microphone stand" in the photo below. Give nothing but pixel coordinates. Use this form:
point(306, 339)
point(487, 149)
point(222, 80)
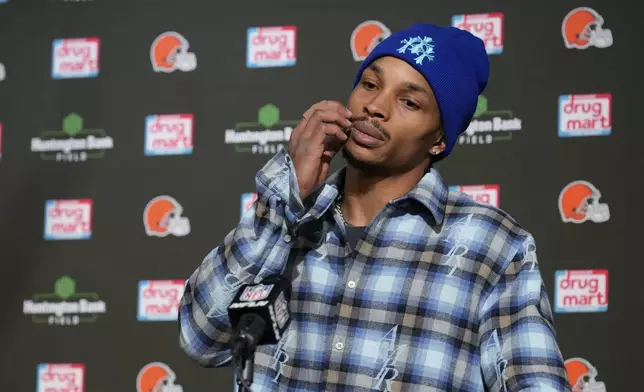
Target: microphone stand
point(248, 334)
point(244, 368)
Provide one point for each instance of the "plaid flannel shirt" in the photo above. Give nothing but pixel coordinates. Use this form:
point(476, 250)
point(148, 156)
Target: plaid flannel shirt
point(440, 294)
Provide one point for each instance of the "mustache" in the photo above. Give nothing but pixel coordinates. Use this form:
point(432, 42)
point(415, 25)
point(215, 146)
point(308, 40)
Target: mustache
point(373, 123)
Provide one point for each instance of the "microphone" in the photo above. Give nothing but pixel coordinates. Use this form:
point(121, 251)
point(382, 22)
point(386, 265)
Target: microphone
point(259, 315)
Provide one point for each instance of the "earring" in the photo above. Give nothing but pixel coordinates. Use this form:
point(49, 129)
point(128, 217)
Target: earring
point(435, 151)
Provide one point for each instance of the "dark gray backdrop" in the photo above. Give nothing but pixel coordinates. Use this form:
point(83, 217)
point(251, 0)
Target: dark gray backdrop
point(531, 168)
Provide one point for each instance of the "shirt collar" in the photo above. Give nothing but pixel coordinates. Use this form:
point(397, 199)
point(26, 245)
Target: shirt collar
point(431, 191)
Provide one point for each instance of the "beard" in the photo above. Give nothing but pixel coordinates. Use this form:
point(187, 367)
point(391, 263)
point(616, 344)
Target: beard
point(365, 166)
point(376, 168)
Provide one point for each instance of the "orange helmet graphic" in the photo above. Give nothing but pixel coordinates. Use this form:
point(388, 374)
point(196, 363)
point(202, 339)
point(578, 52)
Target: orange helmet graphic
point(579, 202)
point(366, 36)
point(162, 217)
point(581, 375)
point(157, 377)
point(169, 53)
point(582, 28)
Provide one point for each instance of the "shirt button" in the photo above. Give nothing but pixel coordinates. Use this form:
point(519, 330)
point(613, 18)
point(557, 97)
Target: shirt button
point(339, 346)
point(287, 238)
point(351, 284)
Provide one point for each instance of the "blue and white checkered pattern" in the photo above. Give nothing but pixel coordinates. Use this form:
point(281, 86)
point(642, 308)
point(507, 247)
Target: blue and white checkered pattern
point(440, 294)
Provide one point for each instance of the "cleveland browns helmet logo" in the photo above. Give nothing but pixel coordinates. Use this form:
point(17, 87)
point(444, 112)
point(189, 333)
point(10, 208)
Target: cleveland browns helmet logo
point(163, 216)
point(581, 375)
point(582, 28)
point(366, 36)
point(169, 53)
point(579, 202)
point(157, 377)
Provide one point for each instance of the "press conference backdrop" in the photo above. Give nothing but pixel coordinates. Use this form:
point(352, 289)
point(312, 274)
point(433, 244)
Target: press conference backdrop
point(131, 133)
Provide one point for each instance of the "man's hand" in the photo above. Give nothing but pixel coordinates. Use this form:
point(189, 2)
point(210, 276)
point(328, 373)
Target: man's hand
point(315, 141)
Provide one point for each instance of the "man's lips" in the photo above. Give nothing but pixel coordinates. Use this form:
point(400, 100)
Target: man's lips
point(369, 130)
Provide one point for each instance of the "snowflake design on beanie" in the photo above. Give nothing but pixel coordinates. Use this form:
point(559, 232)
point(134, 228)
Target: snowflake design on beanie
point(422, 47)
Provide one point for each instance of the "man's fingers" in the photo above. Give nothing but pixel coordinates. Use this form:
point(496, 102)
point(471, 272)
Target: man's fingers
point(334, 131)
point(316, 127)
point(326, 105)
point(322, 105)
point(295, 135)
point(334, 142)
point(324, 116)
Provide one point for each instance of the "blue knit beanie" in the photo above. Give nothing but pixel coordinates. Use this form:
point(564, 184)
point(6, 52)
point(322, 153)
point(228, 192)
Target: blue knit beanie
point(453, 61)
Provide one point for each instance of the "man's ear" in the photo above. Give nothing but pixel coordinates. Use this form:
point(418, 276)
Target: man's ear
point(439, 145)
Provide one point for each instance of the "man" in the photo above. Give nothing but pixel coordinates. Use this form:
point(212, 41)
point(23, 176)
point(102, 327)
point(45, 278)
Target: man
point(398, 284)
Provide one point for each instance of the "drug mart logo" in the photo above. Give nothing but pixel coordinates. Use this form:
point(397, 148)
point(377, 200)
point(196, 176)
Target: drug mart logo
point(581, 291)
point(585, 115)
point(73, 143)
point(169, 134)
point(248, 203)
point(271, 47)
point(159, 299)
point(68, 219)
point(485, 194)
point(65, 306)
point(487, 27)
point(75, 58)
point(59, 377)
point(490, 126)
point(266, 136)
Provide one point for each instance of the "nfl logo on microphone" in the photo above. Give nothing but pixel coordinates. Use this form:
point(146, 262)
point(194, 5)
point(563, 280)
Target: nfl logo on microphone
point(256, 293)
